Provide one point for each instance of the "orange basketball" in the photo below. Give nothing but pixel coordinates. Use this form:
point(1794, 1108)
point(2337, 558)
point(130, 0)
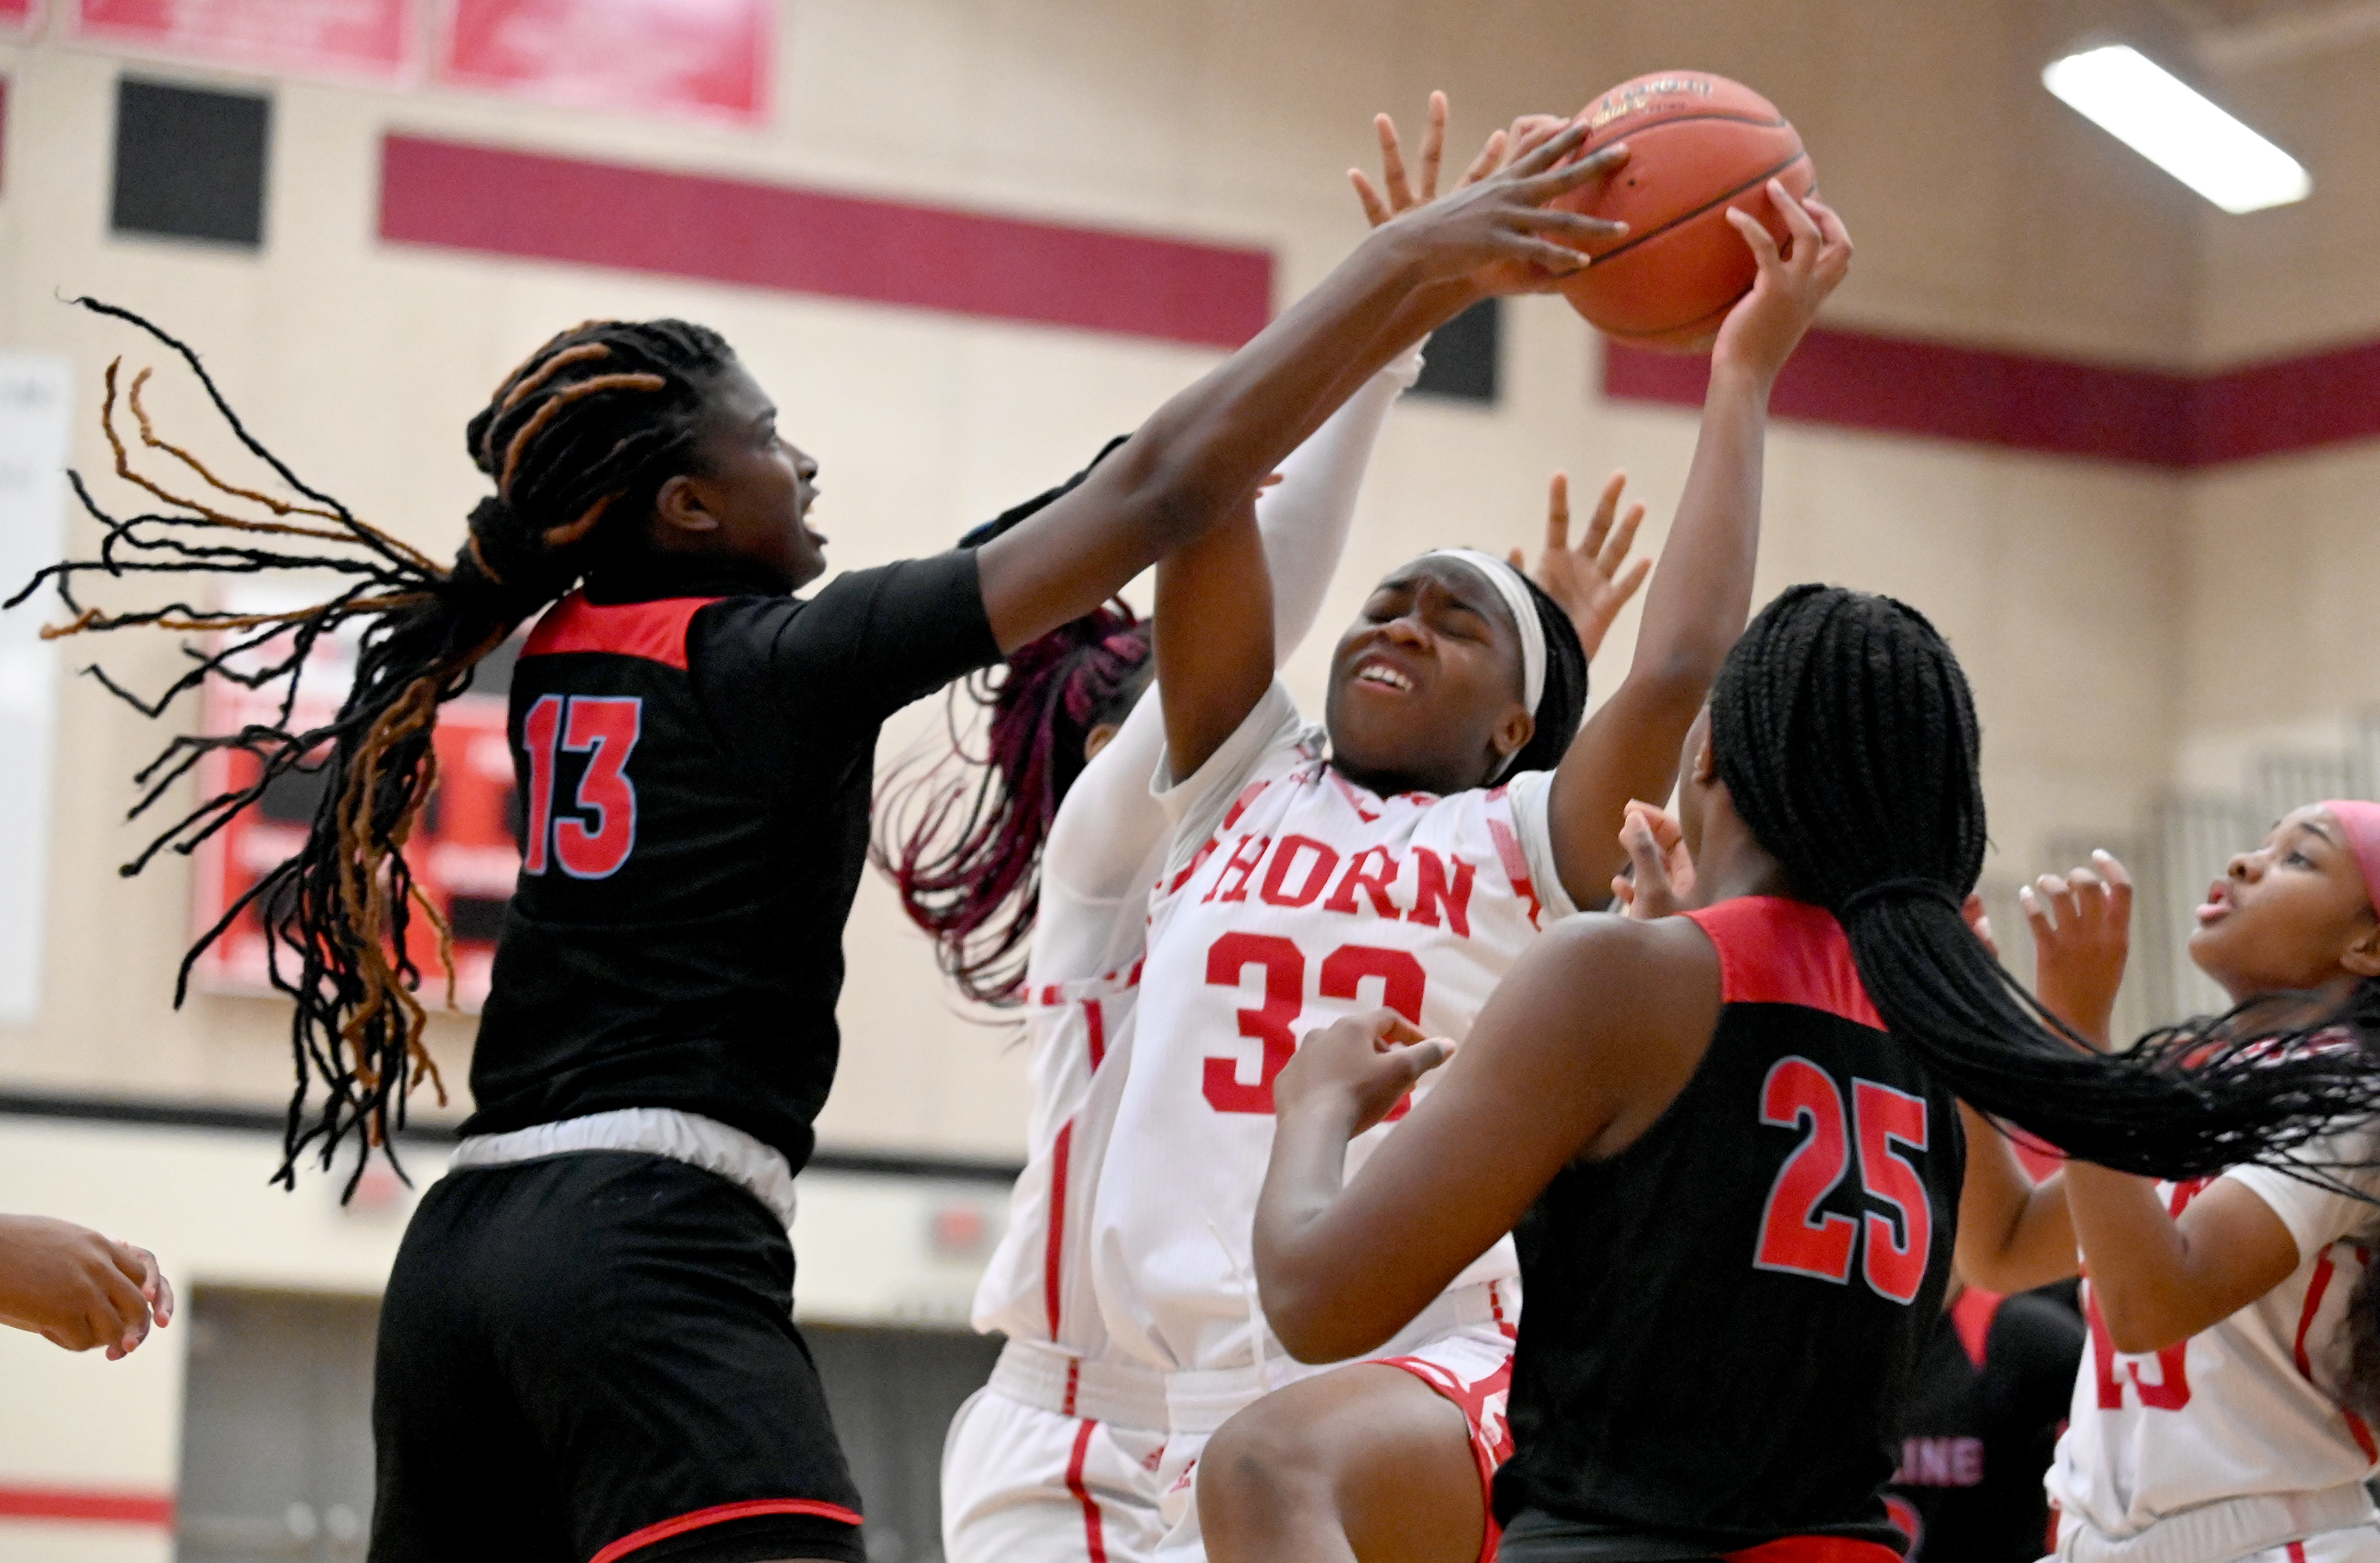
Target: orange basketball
point(1697, 145)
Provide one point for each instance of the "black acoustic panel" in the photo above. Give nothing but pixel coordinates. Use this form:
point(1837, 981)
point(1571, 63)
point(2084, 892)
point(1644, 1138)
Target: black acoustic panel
point(189, 162)
point(1460, 361)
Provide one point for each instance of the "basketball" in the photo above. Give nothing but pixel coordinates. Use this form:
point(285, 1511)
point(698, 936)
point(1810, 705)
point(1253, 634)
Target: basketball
point(1698, 145)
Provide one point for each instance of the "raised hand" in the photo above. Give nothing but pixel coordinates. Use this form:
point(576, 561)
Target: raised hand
point(1499, 234)
point(1588, 580)
point(1358, 1068)
point(1660, 877)
point(1762, 331)
point(1396, 193)
point(79, 1289)
point(2081, 933)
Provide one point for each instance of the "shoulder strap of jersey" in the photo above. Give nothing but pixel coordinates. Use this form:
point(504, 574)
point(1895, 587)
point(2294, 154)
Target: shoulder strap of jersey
point(1773, 950)
point(654, 631)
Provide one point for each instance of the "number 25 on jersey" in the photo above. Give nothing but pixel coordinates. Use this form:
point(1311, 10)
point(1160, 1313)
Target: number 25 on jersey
point(592, 842)
point(1794, 1236)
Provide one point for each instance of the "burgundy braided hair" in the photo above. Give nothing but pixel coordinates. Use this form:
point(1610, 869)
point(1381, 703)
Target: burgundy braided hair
point(966, 852)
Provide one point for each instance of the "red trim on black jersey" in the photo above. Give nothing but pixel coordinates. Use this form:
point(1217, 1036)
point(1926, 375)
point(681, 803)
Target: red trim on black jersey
point(1772, 950)
point(653, 631)
point(1813, 1549)
point(719, 1515)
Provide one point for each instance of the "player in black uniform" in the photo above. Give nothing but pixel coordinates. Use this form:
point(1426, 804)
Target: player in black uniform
point(586, 1346)
point(1732, 1141)
point(1986, 1402)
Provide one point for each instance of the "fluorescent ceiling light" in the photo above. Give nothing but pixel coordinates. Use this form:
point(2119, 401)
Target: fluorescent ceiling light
point(2164, 119)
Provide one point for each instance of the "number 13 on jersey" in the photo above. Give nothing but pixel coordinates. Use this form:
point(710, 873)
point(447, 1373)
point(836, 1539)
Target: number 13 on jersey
point(593, 842)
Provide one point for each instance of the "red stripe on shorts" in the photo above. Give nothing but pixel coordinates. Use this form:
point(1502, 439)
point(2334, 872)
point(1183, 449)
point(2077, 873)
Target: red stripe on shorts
point(719, 1515)
point(1095, 1540)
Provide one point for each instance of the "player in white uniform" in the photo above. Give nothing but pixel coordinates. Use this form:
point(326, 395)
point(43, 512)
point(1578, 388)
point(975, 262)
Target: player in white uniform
point(1404, 857)
point(2212, 1421)
point(1058, 1457)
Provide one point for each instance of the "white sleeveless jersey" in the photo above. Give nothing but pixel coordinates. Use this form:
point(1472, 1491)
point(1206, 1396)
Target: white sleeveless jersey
point(1292, 898)
point(2246, 1407)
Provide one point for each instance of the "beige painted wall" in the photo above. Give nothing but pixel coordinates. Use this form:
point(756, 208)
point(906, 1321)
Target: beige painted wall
point(1983, 211)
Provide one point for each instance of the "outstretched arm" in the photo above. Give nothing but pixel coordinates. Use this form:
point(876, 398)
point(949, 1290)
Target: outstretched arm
point(1543, 1077)
point(1107, 821)
point(76, 1288)
point(1304, 518)
point(1701, 592)
point(1206, 450)
point(1215, 645)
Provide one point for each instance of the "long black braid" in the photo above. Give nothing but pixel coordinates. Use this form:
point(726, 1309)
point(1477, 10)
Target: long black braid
point(582, 432)
point(1843, 726)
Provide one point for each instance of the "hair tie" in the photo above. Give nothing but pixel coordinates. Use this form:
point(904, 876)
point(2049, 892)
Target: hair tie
point(1908, 887)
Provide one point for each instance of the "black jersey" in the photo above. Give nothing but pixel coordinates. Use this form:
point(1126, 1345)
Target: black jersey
point(1981, 1424)
point(1722, 1318)
point(694, 763)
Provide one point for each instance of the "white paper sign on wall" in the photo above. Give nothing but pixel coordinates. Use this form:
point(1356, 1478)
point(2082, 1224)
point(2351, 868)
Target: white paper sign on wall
point(36, 403)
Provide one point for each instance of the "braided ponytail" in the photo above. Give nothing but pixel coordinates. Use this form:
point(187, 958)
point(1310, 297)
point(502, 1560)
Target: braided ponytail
point(966, 855)
point(584, 432)
point(1843, 728)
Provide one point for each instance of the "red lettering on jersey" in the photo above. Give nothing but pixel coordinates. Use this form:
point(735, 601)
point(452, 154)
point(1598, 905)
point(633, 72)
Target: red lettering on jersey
point(1272, 1024)
point(1402, 983)
point(1317, 874)
point(541, 732)
point(1375, 885)
point(1898, 1245)
point(1434, 892)
point(1232, 884)
point(2168, 1391)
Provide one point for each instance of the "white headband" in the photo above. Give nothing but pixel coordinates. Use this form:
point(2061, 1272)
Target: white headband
point(1522, 606)
point(1523, 609)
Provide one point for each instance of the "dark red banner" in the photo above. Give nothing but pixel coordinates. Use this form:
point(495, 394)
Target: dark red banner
point(637, 56)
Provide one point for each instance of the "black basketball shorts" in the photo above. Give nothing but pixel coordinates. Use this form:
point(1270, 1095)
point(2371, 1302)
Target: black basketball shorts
point(591, 1358)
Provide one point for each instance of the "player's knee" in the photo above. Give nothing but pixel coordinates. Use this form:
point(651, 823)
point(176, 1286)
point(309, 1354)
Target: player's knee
point(1258, 1467)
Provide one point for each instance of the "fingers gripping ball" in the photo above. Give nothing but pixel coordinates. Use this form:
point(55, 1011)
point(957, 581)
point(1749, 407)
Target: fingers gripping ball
point(1697, 144)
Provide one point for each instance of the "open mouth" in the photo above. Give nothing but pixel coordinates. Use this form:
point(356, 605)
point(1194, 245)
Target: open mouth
point(2217, 905)
point(1382, 676)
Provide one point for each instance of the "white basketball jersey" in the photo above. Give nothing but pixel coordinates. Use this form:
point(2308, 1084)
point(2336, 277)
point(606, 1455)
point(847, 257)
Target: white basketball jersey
point(2248, 1406)
point(1038, 1286)
point(1292, 898)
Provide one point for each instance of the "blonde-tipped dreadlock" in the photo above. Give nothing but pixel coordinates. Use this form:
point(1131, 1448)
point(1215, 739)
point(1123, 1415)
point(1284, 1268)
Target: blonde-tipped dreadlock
point(601, 415)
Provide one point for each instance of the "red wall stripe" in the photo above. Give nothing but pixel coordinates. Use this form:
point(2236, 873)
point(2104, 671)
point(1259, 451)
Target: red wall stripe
point(2058, 407)
point(498, 202)
point(87, 1504)
point(2290, 405)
